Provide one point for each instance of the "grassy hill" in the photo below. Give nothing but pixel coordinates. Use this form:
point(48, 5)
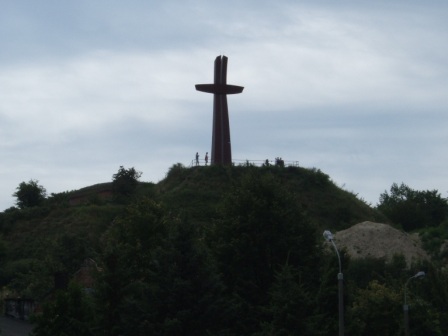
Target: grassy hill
point(219, 250)
point(68, 227)
point(198, 190)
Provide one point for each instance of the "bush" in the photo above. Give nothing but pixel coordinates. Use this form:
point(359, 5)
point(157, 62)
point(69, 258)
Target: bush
point(30, 194)
point(125, 181)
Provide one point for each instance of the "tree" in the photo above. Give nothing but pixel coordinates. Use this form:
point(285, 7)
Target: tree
point(30, 194)
point(128, 257)
point(376, 310)
point(69, 313)
point(413, 209)
point(261, 227)
point(289, 305)
point(125, 181)
point(189, 299)
point(157, 276)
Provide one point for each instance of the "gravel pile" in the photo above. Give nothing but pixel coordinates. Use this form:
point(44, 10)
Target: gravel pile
point(376, 240)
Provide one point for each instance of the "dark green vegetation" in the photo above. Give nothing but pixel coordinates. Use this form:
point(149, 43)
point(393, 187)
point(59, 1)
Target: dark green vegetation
point(125, 181)
point(30, 194)
point(422, 211)
point(210, 251)
point(413, 209)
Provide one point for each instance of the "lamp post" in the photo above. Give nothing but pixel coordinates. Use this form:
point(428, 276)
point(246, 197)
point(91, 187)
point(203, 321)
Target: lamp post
point(405, 305)
point(329, 237)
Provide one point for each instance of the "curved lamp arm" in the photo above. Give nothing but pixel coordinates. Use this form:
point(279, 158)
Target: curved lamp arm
point(418, 275)
point(329, 237)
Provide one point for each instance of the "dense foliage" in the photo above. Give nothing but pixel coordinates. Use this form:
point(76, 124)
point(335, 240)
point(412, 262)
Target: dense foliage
point(125, 181)
point(30, 194)
point(69, 313)
point(261, 239)
point(413, 209)
point(213, 251)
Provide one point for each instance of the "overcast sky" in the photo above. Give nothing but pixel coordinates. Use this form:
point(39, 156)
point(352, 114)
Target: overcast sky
point(357, 89)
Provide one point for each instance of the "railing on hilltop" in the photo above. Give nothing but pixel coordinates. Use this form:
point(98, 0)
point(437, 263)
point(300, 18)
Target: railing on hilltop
point(257, 163)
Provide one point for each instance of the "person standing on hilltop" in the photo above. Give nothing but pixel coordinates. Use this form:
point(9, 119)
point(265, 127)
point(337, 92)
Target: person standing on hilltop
point(197, 159)
point(206, 158)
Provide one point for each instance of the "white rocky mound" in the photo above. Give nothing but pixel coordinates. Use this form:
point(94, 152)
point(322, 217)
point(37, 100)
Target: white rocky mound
point(376, 240)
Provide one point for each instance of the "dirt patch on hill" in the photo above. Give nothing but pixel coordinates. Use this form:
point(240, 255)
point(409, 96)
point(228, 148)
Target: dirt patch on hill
point(376, 240)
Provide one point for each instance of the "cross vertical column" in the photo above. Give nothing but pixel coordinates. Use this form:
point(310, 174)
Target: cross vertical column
point(221, 145)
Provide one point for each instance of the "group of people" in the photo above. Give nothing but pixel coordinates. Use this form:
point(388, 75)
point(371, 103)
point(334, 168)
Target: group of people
point(197, 158)
point(278, 162)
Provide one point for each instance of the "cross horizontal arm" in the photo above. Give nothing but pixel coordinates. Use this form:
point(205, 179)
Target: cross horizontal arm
point(219, 88)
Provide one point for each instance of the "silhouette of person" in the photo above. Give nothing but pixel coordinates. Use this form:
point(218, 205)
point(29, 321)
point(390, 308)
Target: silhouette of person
point(197, 159)
point(206, 158)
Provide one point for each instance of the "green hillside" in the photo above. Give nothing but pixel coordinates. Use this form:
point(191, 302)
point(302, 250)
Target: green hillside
point(209, 250)
point(58, 236)
point(198, 190)
point(41, 235)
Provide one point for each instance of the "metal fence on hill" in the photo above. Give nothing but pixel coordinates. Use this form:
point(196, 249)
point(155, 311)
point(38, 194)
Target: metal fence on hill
point(247, 162)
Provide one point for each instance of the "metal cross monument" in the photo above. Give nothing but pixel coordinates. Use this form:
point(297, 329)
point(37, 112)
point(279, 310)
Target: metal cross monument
point(221, 148)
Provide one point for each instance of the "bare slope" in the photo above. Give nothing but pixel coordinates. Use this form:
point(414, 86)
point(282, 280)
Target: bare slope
point(376, 240)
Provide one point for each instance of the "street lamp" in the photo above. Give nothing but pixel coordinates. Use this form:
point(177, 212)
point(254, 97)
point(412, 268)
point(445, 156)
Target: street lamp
point(329, 237)
point(405, 305)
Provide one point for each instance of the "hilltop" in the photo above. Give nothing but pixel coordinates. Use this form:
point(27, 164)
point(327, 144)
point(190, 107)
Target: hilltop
point(329, 206)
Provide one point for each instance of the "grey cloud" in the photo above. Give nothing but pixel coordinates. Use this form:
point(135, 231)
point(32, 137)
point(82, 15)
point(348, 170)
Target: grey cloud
point(357, 90)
